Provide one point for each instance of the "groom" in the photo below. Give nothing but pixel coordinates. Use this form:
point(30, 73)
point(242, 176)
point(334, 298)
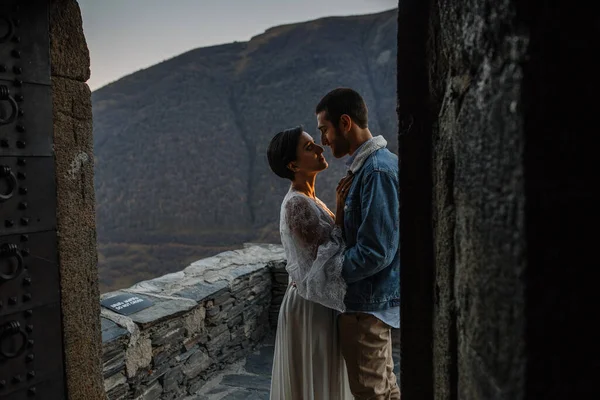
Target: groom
point(372, 260)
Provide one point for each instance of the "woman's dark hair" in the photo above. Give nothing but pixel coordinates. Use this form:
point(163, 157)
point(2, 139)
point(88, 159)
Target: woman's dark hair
point(282, 150)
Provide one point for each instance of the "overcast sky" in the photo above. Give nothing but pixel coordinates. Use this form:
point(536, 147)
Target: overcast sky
point(125, 36)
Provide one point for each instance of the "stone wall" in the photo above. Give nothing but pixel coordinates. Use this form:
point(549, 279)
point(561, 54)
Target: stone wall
point(203, 318)
point(496, 175)
point(76, 223)
point(479, 211)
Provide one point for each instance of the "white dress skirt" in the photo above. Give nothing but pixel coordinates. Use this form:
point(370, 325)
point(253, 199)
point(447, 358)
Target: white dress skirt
point(308, 363)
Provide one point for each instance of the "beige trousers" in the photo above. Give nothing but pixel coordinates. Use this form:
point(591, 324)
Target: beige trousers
point(366, 344)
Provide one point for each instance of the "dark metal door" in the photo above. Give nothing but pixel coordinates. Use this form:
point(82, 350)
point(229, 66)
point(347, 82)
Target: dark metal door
point(31, 344)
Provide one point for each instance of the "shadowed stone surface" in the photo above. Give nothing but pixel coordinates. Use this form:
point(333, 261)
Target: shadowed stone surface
point(479, 207)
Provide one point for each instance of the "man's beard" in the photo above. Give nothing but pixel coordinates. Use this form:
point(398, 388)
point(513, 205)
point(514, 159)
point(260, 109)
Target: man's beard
point(341, 145)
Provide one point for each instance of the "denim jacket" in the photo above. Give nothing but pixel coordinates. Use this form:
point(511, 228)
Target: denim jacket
point(371, 229)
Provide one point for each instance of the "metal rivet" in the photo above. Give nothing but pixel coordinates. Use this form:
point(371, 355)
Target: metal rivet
point(16, 21)
point(2, 68)
point(21, 144)
point(16, 39)
point(31, 391)
point(24, 238)
point(4, 143)
point(22, 190)
point(28, 313)
point(29, 329)
point(21, 175)
point(30, 357)
point(20, 128)
point(16, 53)
point(19, 97)
point(17, 70)
point(21, 161)
point(31, 374)
point(27, 297)
point(12, 301)
point(17, 379)
point(27, 281)
point(9, 223)
point(22, 206)
point(25, 252)
point(21, 112)
point(2, 383)
point(24, 221)
point(30, 342)
point(18, 82)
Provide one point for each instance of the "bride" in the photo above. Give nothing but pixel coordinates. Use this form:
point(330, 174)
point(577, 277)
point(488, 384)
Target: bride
point(308, 363)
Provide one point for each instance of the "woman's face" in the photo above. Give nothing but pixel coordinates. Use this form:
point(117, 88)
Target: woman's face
point(309, 156)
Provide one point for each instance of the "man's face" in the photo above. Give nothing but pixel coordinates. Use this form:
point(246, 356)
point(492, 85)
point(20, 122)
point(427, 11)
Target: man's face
point(331, 136)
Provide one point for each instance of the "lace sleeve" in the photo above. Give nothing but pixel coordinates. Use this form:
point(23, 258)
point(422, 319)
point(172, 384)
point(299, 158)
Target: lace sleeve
point(315, 249)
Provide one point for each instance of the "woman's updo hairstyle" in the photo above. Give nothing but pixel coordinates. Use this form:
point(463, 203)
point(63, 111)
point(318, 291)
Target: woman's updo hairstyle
point(282, 151)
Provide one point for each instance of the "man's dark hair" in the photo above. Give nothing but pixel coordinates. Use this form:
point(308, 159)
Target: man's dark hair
point(283, 150)
point(342, 101)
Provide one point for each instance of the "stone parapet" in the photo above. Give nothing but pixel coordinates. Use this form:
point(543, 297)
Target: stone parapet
point(203, 318)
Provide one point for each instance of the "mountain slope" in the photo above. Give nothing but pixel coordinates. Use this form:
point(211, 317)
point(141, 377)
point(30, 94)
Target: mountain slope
point(180, 147)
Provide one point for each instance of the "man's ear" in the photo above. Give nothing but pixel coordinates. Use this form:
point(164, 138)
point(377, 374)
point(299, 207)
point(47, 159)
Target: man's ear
point(292, 167)
point(345, 123)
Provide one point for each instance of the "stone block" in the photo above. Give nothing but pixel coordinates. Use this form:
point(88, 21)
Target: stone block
point(172, 379)
point(184, 356)
point(164, 354)
point(161, 310)
point(234, 321)
point(195, 340)
point(222, 298)
point(215, 331)
point(114, 365)
point(169, 334)
point(238, 284)
point(236, 310)
point(138, 356)
point(69, 55)
point(111, 331)
point(194, 321)
point(201, 290)
point(153, 392)
point(151, 376)
point(216, 344)
point(197, 364)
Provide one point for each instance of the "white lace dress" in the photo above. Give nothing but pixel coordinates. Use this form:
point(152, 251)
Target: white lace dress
point(308, 364)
